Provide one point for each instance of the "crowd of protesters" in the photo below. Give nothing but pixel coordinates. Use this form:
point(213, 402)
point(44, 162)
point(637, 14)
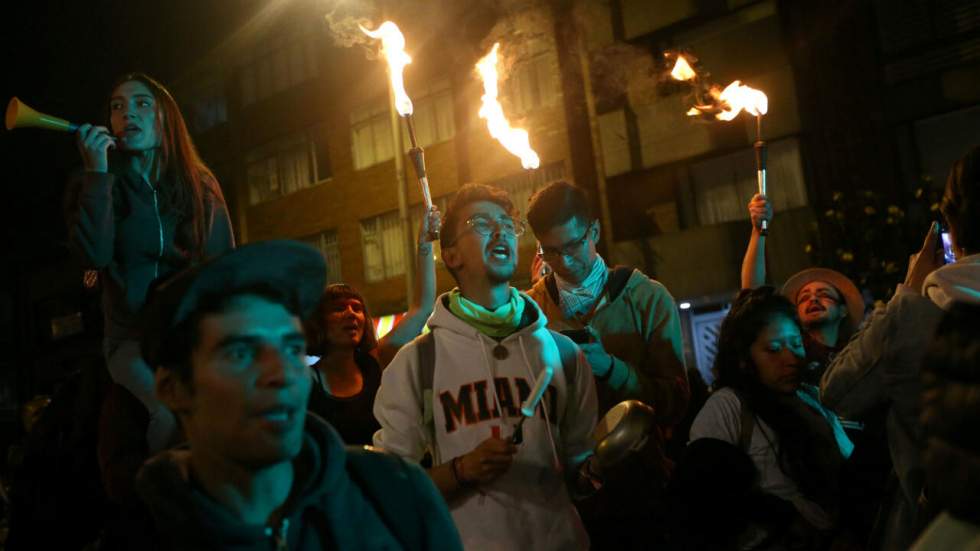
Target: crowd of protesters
point(517, 421)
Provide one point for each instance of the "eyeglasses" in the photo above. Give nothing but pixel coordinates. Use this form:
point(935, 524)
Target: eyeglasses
point(571, 248)
point(821, 294)
point(484, 225)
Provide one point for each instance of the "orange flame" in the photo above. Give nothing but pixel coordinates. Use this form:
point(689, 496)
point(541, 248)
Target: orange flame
point(726, 104)
point(736, 97)
point(393, 48)
point(682, 69)
point(514, 140)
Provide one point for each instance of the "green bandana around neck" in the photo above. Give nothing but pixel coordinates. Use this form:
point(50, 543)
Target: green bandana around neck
point(494, 323)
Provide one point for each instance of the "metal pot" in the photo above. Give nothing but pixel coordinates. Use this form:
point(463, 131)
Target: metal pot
point(622, 430)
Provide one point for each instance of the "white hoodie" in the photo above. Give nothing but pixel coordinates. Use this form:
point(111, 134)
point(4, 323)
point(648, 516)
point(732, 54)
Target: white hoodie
point(528, 507)
point(957, 282)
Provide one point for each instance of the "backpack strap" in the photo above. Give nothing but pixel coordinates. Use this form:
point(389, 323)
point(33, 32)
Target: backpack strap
point(425, 346)
point(618, 276)
point(552, 286)
point(386, 481)
point(746, 424)
point(567, 350)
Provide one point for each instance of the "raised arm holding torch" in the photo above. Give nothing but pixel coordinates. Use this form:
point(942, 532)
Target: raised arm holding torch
point(393, 48)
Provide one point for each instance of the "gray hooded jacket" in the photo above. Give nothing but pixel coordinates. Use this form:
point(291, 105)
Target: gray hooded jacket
point(879, 367)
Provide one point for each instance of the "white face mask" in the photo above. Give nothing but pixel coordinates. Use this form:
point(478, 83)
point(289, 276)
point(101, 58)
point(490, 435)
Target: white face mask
point(576, 300)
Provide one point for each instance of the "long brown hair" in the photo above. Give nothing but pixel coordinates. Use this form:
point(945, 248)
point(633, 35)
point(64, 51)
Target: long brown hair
point(191, 179)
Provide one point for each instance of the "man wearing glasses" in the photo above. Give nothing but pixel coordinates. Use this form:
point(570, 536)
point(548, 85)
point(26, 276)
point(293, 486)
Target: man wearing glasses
point(828, 303)
point(633, 328)
point(629, 328)
point(461, 400)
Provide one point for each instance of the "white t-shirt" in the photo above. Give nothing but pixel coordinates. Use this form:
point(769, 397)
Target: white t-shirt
point(721, 418)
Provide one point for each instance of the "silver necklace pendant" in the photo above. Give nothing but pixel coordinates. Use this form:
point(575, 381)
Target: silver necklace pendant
point(500, 352)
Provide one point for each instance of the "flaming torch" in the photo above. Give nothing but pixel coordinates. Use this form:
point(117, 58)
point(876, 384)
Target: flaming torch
point(393, 48)
point(725, 105)
point(513, 139)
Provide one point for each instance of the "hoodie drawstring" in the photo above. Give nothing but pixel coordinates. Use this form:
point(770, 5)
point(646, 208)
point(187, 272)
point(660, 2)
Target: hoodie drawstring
point(493, 380)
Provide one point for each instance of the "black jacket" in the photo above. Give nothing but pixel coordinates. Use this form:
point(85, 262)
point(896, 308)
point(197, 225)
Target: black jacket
point(115, 225)
point(330, 506)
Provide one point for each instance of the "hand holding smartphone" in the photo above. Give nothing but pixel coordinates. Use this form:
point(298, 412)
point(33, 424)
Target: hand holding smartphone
point(948, 256)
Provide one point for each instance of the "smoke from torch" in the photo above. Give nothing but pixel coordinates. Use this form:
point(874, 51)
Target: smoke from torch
point(513, 139)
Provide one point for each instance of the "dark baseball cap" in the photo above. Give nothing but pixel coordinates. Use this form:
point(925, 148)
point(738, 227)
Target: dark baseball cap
point(294, 270)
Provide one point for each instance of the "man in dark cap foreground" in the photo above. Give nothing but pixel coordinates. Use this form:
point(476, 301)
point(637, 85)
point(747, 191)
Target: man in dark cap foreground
point(258, 472)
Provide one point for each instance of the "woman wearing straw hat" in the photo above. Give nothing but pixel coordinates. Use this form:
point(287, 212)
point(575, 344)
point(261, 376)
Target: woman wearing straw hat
point(829, 305)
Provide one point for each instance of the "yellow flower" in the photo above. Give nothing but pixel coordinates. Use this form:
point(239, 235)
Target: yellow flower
point(895, 211)
point(808, 248)
point(934, 207)
point(829, 213)
point(869, 210)
point(847, 256)
point(918, 193)
point(838, 196)
point(891, 268)
point(890, 221)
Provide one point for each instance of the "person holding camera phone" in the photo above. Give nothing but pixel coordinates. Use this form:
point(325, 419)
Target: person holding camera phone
point(879, 367)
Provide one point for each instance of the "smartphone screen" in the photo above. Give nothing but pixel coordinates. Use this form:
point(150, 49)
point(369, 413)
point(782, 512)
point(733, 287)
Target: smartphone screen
point(948, 255)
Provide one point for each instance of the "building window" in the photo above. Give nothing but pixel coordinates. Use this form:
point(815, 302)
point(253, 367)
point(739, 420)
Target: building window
point(329, 246)
point(383, 241)
point(370, 129)
point(284, 166)
point(276, 66)
point(206, 106)
point(615, 143)
point(722, 186)
point(371, 125)
point(433, 115)
point(533, 84)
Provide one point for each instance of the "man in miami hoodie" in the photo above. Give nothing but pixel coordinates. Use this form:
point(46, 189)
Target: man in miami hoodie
point(491, 345)
point(879, 367)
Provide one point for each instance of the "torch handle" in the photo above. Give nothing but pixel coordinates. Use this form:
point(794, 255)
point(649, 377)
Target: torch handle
point(760, 169)
point(418, 161)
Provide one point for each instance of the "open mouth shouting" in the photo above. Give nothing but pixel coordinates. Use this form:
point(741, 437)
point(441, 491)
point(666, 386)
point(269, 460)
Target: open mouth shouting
point(130, 131)
point(278, 417)
point(501, 251)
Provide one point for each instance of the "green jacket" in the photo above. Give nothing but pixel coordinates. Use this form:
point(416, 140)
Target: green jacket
point(639, 325)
